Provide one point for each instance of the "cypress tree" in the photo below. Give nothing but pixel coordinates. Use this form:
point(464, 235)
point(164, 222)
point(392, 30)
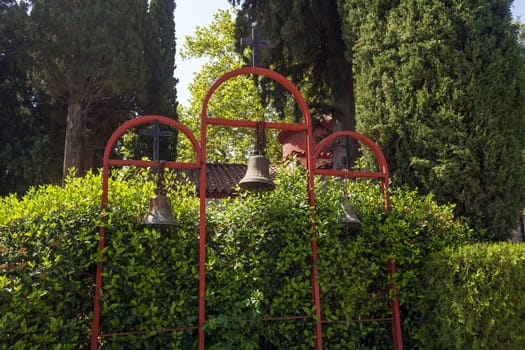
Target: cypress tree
point(27, 143)
point(160, 92)
point(441, 87)
point(86, 52)
point(307, 45)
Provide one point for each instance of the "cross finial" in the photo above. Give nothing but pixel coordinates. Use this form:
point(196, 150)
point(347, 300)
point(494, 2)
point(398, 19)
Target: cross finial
point(156, 133)
point(256, 45)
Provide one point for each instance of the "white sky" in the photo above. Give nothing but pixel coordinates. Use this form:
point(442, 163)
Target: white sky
point(192, 13)
point(188, 15)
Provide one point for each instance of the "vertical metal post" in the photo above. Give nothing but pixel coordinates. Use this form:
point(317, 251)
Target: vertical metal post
point(394, 306)
point(98, 277)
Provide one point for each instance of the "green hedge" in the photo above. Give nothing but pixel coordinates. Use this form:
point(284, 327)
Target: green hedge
point(474, 298)
point(258, 266)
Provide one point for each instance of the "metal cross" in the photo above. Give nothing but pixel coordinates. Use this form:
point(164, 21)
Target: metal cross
point(157, 133)
point(256, 45)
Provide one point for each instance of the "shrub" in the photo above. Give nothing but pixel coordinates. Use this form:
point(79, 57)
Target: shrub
point(354, 279)
point(474, 298)
point(258, 290)
point(47, 250)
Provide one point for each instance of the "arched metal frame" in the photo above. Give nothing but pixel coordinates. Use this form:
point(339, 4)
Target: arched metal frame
point(383, 176)
point(200, 151)
point(107, 163)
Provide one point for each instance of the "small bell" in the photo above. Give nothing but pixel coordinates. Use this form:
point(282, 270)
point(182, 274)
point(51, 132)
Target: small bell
point(257, 177)
point(159, 212)
point(349, 219)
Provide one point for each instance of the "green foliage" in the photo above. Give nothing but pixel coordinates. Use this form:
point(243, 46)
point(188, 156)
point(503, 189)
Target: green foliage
point(258, 291)
point(441, 88)
point(259, 258)
point(354, 279)
point(27, 146)
point(237, 98)
point(160, 91)
point(308, 46)
point(47, 243)
point(84, 65)
point(150, 276)
point(474, 298)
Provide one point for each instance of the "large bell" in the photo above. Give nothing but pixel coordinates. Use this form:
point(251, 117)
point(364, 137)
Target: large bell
point(257, 177)
point(159, 212)
point(349, 218)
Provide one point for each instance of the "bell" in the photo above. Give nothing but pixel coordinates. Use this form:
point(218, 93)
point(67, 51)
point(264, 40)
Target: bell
point(350, 219)
point(257, 177)
point(159, 212)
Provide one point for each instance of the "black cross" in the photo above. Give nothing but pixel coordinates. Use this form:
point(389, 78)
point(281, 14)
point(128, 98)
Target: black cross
point(157, 133)
point(256, 45)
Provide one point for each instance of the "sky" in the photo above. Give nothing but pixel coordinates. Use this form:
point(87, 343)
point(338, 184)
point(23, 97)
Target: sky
point(188, 15)
point(192, 13)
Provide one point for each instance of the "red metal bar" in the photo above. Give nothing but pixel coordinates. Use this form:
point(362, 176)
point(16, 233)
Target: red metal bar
point(352, 174)
point(379, 156)
point(98, 277)
point(252, 124)
point(149, 163)
point(202, 233)
point(202, 250)
point(394, 306)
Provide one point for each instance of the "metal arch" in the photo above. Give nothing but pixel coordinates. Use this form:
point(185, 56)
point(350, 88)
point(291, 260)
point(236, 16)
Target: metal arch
point(107, 162)
point(287, 84)
point(146, 120)
point(383, 173)
point(201, 164)
point(307, 128)
point(384, 177)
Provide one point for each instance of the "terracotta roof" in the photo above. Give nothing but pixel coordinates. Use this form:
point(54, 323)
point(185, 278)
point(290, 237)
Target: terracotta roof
point(221, 178)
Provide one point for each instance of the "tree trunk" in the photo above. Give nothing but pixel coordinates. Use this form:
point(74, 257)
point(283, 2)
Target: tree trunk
point(345, 151)
point(74, 143)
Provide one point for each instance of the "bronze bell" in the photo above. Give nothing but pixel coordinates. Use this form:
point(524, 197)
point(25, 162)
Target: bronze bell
point(159, 212)
point(257, 177)
point(350, 219)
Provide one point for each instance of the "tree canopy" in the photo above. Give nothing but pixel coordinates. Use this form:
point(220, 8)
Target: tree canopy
point(237, 98)
point(66, 83)
point(27, 150)
point(442, 90)
point(439, 85)
point(121, 66)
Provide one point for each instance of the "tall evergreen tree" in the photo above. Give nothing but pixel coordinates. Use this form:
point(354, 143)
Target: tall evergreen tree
point(441, 88)
point(86, 52)
point(307, 45)
point(160, 89)
point(26, 147)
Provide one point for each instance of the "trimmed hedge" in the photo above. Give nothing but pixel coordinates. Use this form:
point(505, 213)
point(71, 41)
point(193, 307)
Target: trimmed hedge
point(258, 266)
point(474, 298)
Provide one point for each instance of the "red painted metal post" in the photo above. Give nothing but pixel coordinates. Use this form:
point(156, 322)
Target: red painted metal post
point(394, 306)
point(202, 241)
point(202, 258)
point(98, 277)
